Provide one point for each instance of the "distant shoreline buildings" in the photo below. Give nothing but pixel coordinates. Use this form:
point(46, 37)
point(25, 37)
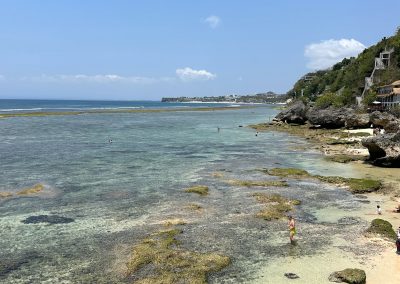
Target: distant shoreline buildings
point(269, 97)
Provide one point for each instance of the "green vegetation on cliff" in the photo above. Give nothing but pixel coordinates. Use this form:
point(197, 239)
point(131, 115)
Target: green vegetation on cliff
point(340, 84)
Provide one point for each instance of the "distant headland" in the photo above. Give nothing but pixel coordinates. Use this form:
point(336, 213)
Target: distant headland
point(265, 98)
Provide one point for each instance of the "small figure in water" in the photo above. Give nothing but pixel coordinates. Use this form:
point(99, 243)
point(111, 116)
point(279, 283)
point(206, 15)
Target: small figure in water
point(292, 229)
point(257, 133)
point(218, 129)
point(110, 141)
point(378, 210)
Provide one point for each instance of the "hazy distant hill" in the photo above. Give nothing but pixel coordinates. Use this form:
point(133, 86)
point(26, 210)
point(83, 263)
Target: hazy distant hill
point(269, 97)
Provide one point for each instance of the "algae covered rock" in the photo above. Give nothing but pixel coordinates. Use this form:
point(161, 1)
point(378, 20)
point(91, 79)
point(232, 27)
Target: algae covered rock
point(261, 183)
point(199, 189)
point(349, 275)
point(159, 259)
point(382, 228)
point(275, 206)
point(284, 172)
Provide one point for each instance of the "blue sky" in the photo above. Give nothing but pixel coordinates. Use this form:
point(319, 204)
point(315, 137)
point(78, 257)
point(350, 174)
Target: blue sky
point(135, 50)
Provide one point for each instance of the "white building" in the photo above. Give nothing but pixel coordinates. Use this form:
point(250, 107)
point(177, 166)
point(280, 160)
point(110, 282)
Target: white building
point(389, 95)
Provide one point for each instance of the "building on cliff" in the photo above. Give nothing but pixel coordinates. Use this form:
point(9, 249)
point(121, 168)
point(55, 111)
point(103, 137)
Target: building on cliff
point(389, 95)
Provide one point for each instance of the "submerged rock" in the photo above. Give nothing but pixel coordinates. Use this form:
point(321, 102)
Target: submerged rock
point(8, 265)
point(349, 275)
point(348, 220)
point(384, 150)
point(31, 190)
point(291, 275)
point(50, 219)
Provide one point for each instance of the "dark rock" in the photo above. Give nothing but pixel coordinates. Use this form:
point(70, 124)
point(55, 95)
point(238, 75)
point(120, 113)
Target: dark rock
point(386, 120)
point(348, 221)
point(291, 275)
point(329, 117)
point(295, 113)
point(384, 150)
point(357, 120)
point(8, 264)
point(349, 275)
point(50, 219)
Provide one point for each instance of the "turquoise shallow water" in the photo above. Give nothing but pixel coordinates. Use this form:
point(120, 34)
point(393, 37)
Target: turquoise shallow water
point(118, 192)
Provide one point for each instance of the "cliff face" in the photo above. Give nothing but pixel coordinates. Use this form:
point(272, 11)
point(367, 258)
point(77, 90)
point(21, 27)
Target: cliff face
point(350, 73)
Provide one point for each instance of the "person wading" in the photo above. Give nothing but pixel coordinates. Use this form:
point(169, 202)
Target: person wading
point(292, 229)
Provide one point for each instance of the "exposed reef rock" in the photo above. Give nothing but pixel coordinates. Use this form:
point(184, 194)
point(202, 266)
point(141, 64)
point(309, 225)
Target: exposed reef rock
point(354, 185)
point(386, 120)
point(349, 275)
point(384, 150)
point(329, 117)
point(295, 113)
point(357, 120)
point(50, 219)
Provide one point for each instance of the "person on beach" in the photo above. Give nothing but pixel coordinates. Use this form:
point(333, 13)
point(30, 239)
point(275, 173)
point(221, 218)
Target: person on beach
point(398, 241)
point(292, 229)
point(378, 210)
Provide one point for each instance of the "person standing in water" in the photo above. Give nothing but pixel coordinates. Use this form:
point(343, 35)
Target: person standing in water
point(292, 229)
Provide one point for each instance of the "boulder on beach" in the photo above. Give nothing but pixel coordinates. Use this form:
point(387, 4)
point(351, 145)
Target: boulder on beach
point(384, 150)
point(385, 120)
point(357, 120)
point(295, 113)
point(349, 275)
point(382, 228)
point(329, 117)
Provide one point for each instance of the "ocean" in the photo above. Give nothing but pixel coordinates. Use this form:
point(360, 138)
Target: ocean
point(110, 179)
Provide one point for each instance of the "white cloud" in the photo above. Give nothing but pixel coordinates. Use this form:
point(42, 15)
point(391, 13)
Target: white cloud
point(100, 78)
point(213, 21)
point(328, 52)
point(188, 74)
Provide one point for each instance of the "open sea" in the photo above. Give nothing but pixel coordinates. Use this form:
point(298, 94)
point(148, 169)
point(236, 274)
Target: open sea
point(110, 179)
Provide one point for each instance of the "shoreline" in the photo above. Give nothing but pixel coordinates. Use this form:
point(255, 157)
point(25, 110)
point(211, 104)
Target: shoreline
point(383, 266)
